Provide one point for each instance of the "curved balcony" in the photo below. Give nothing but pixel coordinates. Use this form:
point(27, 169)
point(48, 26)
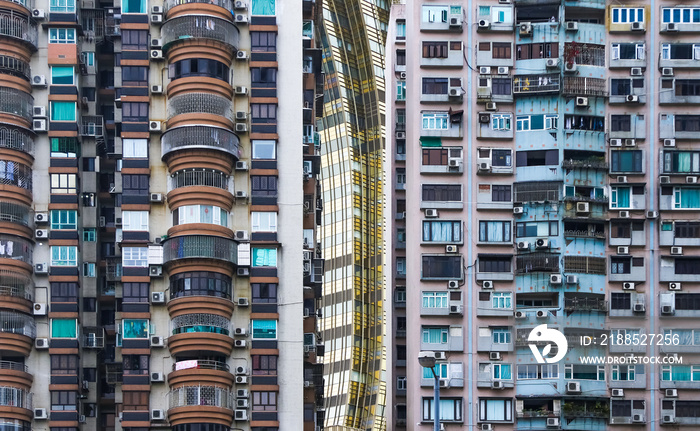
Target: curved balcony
point(200, 283)
point(16, 374)
point(17, 139)
point(200, 177)
point(16, 403)
point(207, 137)
point(201, 322)
point(200, 27)
point(17, 332)
point(16, 291)
point(15, 67)
point(188, 342)
point(200, 247)
point(200, 103)
point(18, 26)
point(193, 186)
point(16, 102)
point(200, 371)
point(199, 403)
point(15, 214)
point(226, 4)
point(184, 306)
point(16, 249)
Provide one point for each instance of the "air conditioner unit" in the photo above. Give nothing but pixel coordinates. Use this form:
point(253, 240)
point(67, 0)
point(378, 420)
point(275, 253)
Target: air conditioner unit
point(242, 380)
point(157, 197)
point(573, 387)
point(570, 67)
point(85, 385)
point(484, 24)
point(542, 243)
point(615, 142)
point(39, 309)
point(691, 180)
point(242, 302)
point(666, 71)
point(242, 393)
point(503, 70)
point(525, 29)
point(674, 286)
point(555, 279)
point(241, 115)
point(403, 75)
point(240, 415)
point(621, 179)
point(239, 343)
point(156, 54)
point(243, 272)
point(240, 331)
point(582, 102)
point(541, 314)
point(453, 284)
point(638, 418)
point(518, 210)
point(38, 14)
point(41, 268)
point(520, 315)
point(638, 308)
point(491, 106)
point(156, 89)
point(495, 356)
point(39, 125)
point(487, 427)
point(484, 167)
point(241, 19)
point(157, 9)
point(671, 26)
point(637, 26)
point(157, 415)
point(241, 194)
point(155, 126)
point(572, 279)
point(41, 218)
point(118, 221)
point(450, 249)
point(630, 142)
point(157, 377)
point(497, 385)
point(242, 403)
point(484, 118)
point(676, 251)
point(156, 19)
point(667, 309)
point(431, 213)
point(40, 414)
point(553, 422)
point(665, 179)
point(41, 234)
point(632, 98)
point(668, 419)
point(444, 383)
point(523, 245)
point(157, 297)
point(241, 90)
point(155, 270)
point(671, 393)
point(636, 71)
point(485, 70)
point(652, 214)
point(240, 4)
point(487, 284)
point(241, 127)
point(241, 235)
point(157, 341)
point(571, 26)
point(669, 142)
point(39, 81)
point(41, 343)
point(624, 214)
point(456, 309)
point(156, 43)
point(456, 21)
point(241, 55)
point(441, 356)
point(552, 62)
point(241, 370)
point(628, 285)
point(454, 92)
point(623, 250)
point(583, 208)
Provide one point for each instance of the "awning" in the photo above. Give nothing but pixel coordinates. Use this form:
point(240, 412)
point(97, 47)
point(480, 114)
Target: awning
point(429, 141)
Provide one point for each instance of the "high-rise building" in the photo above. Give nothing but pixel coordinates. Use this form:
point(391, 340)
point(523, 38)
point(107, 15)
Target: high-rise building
point(352, 138)
point(158, 269)
point(544, 173)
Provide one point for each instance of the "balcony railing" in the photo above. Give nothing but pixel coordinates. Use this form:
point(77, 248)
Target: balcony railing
point(18, 26)
point(585, 304)
point(17, 323)
point(206, 103)
point(15, 284)
point(585, 164)
point(536, 192)
point(14, 213)
point(226, 4)
point(586, 198)
point(202, 364)
point(525, 414)
point(533, 84)
point(200, 177)
point(14, 366)
point(200, 396)
point(187, 137)
point(15, 174)
point(14, 66)
point(16, 139)
point(28, 4)
point(200, 247)
point(584, 86)
point(16, 248)
point(583, 233)
point(15, 397)
point(92, 125)
point(16, 102)
point(536, 262)
point(200, 322)
point(199, 27)
point(114, 270)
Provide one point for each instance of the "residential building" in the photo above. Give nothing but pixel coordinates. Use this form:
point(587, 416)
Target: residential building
point(351, 134)
point(542, 167)
point(147, 279)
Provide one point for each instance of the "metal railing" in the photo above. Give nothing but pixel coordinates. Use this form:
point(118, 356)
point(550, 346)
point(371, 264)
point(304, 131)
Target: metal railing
point(15, 397)
point(542, 83)
point(114, 269)
point(585, 265)
point(585, 304)
point(583, 233)
point(206, 103)
point(583, 198)
point(15, 66)
point(16, 248)
point(226, 4)
point(200, 246)
point(15, 174)
point(14, 366)
point(200, 396)
point(200, 177)
point(536, 192)
point(202, 364)
point(201, 322)
point(16, 102)
point(581, 164)
point(584, 86)
point(21, 27)
point(199, 27)
point(14, 213)
point(92, 125)
point(15, 284)
point(16, 139)
point(17, 323)
point(200, 137)
point(26, 3)
point(536, 262)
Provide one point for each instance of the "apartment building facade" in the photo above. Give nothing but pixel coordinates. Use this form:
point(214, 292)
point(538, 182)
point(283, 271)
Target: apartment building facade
point(543, 173)
point(149, 153)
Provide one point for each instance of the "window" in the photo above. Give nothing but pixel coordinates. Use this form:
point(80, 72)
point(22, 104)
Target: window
point(537, 158)
point(501, 122)
point(263, 185)
point(64, 328)
point(584, 122)
point(687, 265)
point(138, 401)
point(686, 197)
point(494, 231)
point(439, 156)
point(62, 75)
point(687, 123)
point(400, 90)
point(435, 335)
point(135, 364)
point(680, 51)
point(626, 161)
point(62, 6)
point(89, 269)
point(208, 214)
point(136, 292)
point(441, 267)
point(64, 364)
point(584, 372)
point(529, 51)
point(491, 410)
point(263, 7)
point(264, 149)
point(501, 300)
point(529, 229)
point(135, 148)
point(135, 111)
point(684, 87)
point(264, 257)
point(623, 265)
point(435, 120)
point(64, 401)
point(442, 192)
point(136, 40)
point(442, 231)
point(135, 257)
point(532, 372)
point(401, 266)
point(64, 292)
point(63, 111)
point(264, 293)
point(135, 185)
point(200, 283)
point(264, 401)
point(623, 408)
point(135, 220)
point(627, 51)
point(264, 365)
point(435, 49)
point(623, 15)
point(263, 221)
point(684, 229)
point(620, 301)
point(64, 255)
point(400, 29)
point(624, 229)
point(526, 123)
point(623, 87)
point(500, 193)
point(136, 76)
point(450, 409)
point(501, 86)
point(88, 57)
point(680, 373)
point(620, 123)
point(494, 263)
point(501, 50)
point(680, 15)
point(435, 85)
point(209, 68)
point(263, 41)
point(263, 112)
point(623, 372)
point(435, 300)
point(501, 372)
point(135, 328)
point(500, 335)
point(620, 197)
point(264, 329)
point(134, 6)
point(61, 35)
point(434, 13)
point(64, 219)
point(65, 147)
